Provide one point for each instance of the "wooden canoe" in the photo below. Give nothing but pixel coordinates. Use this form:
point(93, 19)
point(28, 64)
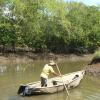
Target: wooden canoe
point(55, 84)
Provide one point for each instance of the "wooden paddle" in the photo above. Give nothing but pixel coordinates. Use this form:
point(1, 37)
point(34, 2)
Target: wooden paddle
point(62, 80)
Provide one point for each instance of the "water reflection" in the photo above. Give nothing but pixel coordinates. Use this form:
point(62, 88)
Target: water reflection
point(19, 68)
point(15, 68)
point(3, 69)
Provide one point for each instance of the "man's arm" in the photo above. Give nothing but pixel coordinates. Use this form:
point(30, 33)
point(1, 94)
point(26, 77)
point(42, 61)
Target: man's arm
point(56, 74)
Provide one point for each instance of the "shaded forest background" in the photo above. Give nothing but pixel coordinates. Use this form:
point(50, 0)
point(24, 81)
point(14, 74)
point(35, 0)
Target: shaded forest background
point(49, 26)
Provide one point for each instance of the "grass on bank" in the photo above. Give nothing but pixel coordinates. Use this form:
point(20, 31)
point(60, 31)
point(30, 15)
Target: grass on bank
point(97, 54)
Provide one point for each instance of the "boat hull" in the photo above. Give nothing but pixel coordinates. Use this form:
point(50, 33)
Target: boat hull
point(71, 80)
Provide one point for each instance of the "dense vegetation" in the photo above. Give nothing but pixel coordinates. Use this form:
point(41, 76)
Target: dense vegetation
point(49, 26)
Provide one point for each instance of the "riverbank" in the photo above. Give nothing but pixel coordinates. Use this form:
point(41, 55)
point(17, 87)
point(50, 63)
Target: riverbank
point(21, 58)
point(92, 68)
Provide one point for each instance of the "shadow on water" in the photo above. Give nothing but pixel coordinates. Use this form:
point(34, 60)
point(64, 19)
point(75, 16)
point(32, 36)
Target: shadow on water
point(74, 95)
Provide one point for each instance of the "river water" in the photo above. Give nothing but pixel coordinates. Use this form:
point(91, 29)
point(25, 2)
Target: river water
point(14, 74)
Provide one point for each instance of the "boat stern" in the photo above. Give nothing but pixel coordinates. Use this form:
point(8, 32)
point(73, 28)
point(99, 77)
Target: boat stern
point(21, 90)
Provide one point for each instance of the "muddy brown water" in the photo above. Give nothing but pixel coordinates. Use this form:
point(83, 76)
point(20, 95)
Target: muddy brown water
point(14, 74)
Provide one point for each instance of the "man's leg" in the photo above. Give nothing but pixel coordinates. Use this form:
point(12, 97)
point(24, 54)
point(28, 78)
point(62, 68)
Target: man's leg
point(43, 82)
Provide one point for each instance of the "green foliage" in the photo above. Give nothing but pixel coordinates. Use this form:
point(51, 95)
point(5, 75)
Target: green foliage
point(7, 34)
point(50, 25)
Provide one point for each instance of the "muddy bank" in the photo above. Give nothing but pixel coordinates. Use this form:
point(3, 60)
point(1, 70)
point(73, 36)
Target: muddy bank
point(21, 58)
point(93, 67)
point(93, 70)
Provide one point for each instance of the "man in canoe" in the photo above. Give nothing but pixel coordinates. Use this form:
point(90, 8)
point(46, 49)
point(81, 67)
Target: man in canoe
point(48, 68)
